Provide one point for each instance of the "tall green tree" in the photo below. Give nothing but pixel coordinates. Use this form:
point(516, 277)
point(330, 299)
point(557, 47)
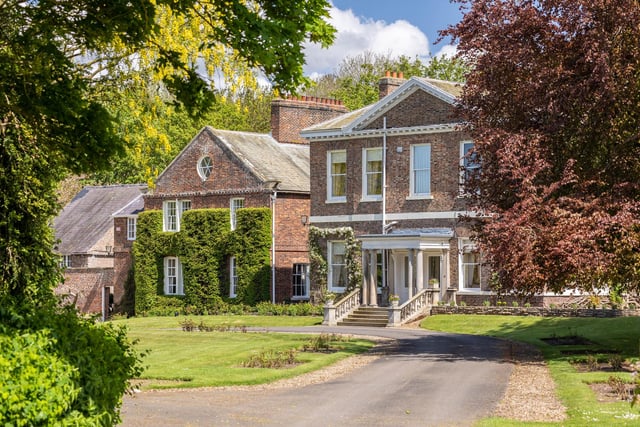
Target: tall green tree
point(355, 81)
point(56, 59)
point(553, 105)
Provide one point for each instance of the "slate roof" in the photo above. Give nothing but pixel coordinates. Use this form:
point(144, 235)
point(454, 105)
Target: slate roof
point(268, 159)
point(87, 218)
point(355, 121)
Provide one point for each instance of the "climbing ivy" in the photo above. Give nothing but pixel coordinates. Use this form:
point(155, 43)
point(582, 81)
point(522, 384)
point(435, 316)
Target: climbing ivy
point(318, 238)
point(202, 246)
point(252, 244)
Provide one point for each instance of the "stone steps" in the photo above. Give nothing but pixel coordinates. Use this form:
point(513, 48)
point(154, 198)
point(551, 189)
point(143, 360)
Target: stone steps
point(367, 316)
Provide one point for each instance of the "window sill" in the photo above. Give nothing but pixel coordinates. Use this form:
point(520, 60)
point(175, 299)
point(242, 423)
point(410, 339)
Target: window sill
point(420, 197)
point(331, 201)
point(371, 199)
point(305, 298)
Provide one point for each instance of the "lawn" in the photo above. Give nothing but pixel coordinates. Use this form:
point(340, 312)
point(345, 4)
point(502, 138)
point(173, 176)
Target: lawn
point(566, 343)
point(180, 359)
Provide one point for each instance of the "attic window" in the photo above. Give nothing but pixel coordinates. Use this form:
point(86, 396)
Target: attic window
point(205, 166)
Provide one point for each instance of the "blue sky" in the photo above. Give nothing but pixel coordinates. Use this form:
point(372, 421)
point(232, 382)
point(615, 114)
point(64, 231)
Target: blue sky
point(397, 27)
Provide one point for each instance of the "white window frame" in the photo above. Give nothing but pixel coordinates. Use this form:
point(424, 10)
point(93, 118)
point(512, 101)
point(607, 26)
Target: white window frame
point(233, 277)
point(331, 198)
point(366, 174)
point(463, 168)
point(413, 194)
point(173, 271)
point(65, 261)
point(132, 225)
point(330, 280)
point(235, 204)
point(205, 167)
point(300, 279)
point(466, 246)
point(179, 207)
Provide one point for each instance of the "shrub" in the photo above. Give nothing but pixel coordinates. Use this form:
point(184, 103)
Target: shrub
point(619, 387)
point(272, 359)
point(515, 304)
point(36, 385)
point(615, 360)
point(82, 368)
point(592, 363)
point(486, 303)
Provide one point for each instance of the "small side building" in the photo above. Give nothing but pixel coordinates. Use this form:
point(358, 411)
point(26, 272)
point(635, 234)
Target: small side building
point(86, 244)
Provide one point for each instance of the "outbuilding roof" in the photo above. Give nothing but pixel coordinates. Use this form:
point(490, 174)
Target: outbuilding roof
point(87, 220)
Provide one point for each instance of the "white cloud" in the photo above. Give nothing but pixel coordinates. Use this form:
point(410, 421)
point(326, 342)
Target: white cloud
point(356, 35)
point(448, 50)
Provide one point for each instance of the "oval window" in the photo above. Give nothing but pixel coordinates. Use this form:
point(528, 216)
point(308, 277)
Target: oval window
point(205, 166)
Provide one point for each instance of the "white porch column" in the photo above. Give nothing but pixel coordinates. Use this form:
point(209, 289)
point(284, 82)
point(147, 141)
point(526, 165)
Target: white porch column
point(445, 272)
point(397, 269)
point(373, 264)
point(410, 272)
point(365, 277)
point(419, 270)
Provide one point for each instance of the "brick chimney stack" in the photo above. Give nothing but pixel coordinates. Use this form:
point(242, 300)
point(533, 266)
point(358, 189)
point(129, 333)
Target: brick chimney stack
point(289, 116)
point(389, 83)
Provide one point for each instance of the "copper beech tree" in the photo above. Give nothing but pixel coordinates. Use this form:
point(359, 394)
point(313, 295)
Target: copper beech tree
point(553, 105)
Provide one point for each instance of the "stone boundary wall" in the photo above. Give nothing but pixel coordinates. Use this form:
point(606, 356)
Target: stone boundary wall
point(535, 311)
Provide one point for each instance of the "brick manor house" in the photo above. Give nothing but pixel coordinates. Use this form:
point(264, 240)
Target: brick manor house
point(388, 177)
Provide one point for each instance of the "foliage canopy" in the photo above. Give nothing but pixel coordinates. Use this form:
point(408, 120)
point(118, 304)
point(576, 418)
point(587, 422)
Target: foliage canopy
point(552, 103)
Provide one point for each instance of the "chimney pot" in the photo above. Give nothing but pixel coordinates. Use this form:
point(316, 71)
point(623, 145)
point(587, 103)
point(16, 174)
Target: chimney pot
point(401, 75)
point(387, 73)
point(394, 74)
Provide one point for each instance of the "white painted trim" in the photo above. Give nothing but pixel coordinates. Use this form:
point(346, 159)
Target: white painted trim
point(368, 197)
point(391, 216)
point(330, 286)
point(329, 181)
point(412, 182)
point(178, 276)
point(233, 278)
point(414, 130)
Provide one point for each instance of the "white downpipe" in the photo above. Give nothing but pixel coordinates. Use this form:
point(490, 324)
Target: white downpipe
point(384, 197)
point(384, 175)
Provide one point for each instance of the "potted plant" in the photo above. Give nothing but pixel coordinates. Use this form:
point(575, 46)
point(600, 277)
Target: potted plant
point(394, 300)
point(328, 297)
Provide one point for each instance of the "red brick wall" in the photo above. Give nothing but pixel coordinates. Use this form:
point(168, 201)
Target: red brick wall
point(445, 164)
point(86, 286)
point(418, 109)
point(388, 84)
point(292, 240)
point(183, 177)
point(257, 199)
point(290, 116)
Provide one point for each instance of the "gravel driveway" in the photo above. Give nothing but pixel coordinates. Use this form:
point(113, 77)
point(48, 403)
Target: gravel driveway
point(425, 378)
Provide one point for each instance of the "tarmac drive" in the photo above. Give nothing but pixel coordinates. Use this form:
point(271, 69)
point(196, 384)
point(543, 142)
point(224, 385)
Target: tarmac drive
point(429, 379)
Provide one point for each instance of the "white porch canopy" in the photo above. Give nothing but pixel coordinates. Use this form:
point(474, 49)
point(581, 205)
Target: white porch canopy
point(410, 243)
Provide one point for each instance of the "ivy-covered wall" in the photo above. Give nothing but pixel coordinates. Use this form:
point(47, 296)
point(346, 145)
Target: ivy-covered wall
point(319, 265)
point(203, 247)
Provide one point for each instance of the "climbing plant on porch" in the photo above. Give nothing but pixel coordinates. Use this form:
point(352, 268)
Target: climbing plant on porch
point(318, 238)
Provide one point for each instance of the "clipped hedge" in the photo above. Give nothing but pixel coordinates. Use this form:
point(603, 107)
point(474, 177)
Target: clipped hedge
point(203, 246)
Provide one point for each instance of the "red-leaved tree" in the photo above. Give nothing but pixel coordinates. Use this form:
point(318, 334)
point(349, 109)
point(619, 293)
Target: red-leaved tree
point(553, 104)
